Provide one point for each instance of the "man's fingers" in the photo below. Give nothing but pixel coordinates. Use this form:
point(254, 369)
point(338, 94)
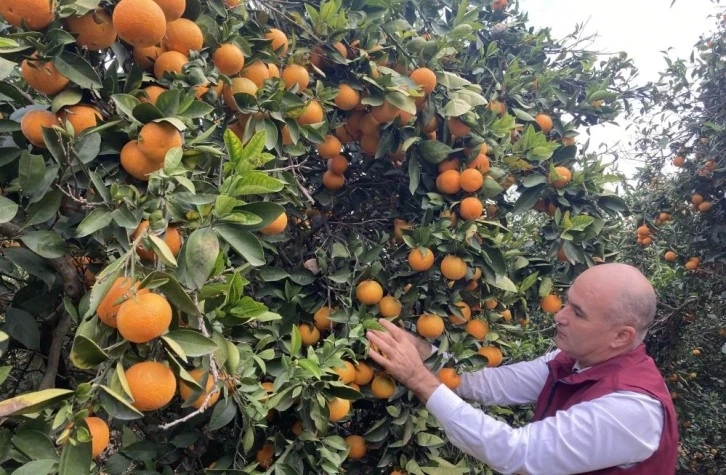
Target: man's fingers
point(384, 336)
point(379, 358)
point(379, 339)
point(395, 331)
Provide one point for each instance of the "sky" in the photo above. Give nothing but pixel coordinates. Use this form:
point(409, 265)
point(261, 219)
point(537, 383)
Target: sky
point(642, 28)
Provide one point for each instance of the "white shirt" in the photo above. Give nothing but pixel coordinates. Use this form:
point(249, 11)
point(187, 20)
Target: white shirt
point(618, 429)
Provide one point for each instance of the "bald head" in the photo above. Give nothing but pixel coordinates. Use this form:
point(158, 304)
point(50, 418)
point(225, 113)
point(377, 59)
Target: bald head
point(629, 298)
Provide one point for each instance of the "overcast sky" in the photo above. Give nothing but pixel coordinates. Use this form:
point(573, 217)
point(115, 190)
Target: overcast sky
point(642, 28)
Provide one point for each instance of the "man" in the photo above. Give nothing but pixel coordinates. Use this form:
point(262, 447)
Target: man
point(601, 404)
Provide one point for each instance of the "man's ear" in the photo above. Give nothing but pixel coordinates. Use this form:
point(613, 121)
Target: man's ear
point(624, 337)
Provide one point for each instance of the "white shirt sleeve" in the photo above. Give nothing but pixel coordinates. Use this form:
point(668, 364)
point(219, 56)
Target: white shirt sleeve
point(518, 383)
point(621, 428)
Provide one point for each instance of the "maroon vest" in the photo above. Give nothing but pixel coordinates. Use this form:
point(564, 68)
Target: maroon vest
point(633, 371)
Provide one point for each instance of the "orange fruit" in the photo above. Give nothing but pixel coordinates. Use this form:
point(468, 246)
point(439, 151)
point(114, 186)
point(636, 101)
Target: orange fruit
point(363, 374)
point(146, 56)
point(100, 435)
point(357, 447)
point(257, 72)
point(453, 267)
point(369, 143)
point(383, 386)
point(321, 318)
point(94, 30)
point(333, 181)
point(313, 114)
point(425, 78)
point(265, 455)
point(643, 230)
point(277, 226)
point(670, 256)
point(184, 36)
point(173, 9)
point(347, 98)
point(369, 292)
point(152, 385)
point(330, 148)
point(346, 373)
point(430, 325)
point(136, 163)
point(465, 312)
point(144, 317)
point(294, 74)
point(481, 163)
point(279, 41)
point(81, 117)
point(32, 125)
point(498, 107)
point(229, 59)
point(389, 307)
point(157, 138)
point(647, 241)
point(36, 14)
point(152, 93)
point(169, 62)
point(449, 377)
point(340, 47)
point(478, 329)
point(450, 164)
point(308, 334)
point(678, 161)
point(449, 182)
point(544, 121)
point(691, 265)
point(457, 127)
point(696, 199)
point(274, 70)
point(338, 164)
point(368, 124)
point(471, 180)
point(186, 391)
point(471, 208)
point(139, 22)
point(385, 113)
point(337, 409)
point(42, 76)
point(421, 260)
point(551, 303)
point(171, 238)
point(238, 86)
point(492, 354)
point(499, 5)
point(565, 176)
point(705, 207)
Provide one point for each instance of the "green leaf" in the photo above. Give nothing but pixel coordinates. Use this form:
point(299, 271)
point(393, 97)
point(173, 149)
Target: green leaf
point(75, 459)
point(198, 257)
point(125, 103)
point(176, 294)
point(22, 326)
point(45, 243)
point(86, 354)
point(433, 151)
point(37, 467)
point(429, 440)
point(116, 406)
point(33, 402)
point(243, 242)
point(264, 209)
point(456, 108)
point(257, 183)
point(31, 172)
point(4, 372)
point(222, 414)
point(43, 210)
point(8, 209)
point(526, 200)
point(311, 367)
point(402, 101)
point(78, 70)
point(295, 340)
point(97, 219)
point(192, 342)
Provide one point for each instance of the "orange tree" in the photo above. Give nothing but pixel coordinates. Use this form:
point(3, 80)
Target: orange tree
point(680, 241)
point(221, 198)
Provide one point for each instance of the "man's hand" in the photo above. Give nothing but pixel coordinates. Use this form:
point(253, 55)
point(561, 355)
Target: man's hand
point(400, 357)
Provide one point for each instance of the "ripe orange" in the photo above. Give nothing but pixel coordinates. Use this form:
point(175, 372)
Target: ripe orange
point(337, 409)
point(643, 230)
point(425, 78)
point(383, 386)
point(333, 181)
point(142, 318)
point(42, 76)
point(139, 22)
point(32, 125)
point(647, 241)
point(238, 86)
point(277, 226)
point(450, 164)
point(338, 164)
point(449, 377)
point(347, 98)
point(257, 72)
point(696, 199)
point(346, 373)
point(171, 238)
point(274, 70)
point(478, 329)
point(492, 354)
point(100, 435)
point(565, 176)
point(705, 207)
point(453, 267)
point(36, 14)
point(369, 143)
point(465, 312)
point(294, 74)
point(229, 59)
point(481, 163)
point(457, 127)
point(507, 315)
point(152, 385)
point(471, 208)
point(449, 182)
point(94, 30)
point(157, 138)
point(471, 180)
point(152, 93)
point(678, 161)
point(186, 391)
point(184, 36)
point(421, 260)
point(330, 148)
point(369, 292)
point(265, 455)
point(367, 124)
point(279, 41)
point(670, 256)
point(430, 325)
point(385, 113)
point(498, 107)
point(136, 163)
point(145, 56)
point(551, 304)
point(357, 446)
point(313, 114)
point(389, 307)
point(81, 117)
point(545, 122)
point(363, 374)
point(173, 9)
point(169, 62)
point(499, 5)
point(321, 318)
point(308, 334)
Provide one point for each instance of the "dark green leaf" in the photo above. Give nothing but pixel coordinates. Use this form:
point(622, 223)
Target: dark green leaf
point(45, 243)
point(78, 70)
point(192, 342)
point(243, 242)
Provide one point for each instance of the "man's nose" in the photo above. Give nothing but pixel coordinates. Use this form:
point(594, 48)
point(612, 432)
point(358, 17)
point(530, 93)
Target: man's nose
point(561, 318)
